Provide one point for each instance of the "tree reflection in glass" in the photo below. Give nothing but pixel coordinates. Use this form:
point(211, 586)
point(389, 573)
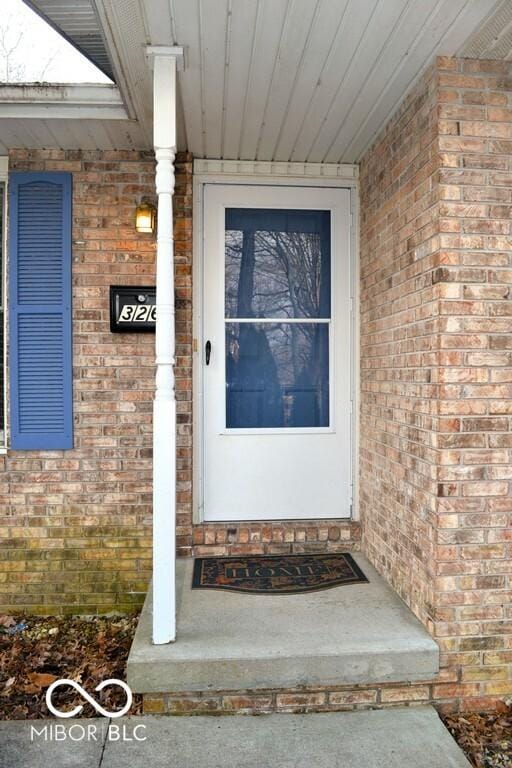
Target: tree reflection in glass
point(277, 269)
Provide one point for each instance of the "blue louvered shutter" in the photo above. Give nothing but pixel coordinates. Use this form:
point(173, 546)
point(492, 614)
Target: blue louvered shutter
point(40, 359)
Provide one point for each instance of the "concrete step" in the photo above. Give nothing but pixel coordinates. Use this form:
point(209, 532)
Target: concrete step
point(398, 738)
point(353, 634)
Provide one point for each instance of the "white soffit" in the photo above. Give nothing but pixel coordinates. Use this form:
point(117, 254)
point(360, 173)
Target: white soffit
point(283, 80)
point(300, 80)
point(79, 23)
point(61, 133)
point(493, 39)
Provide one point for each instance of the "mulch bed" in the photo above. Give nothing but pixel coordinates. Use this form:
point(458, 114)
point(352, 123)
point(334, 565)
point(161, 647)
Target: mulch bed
point(485, 738)
point(34, 652)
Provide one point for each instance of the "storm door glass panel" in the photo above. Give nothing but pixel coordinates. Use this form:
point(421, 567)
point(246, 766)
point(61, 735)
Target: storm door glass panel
point(277, 315)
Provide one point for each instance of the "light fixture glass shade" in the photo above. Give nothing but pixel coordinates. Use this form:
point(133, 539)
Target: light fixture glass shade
point(145, 217)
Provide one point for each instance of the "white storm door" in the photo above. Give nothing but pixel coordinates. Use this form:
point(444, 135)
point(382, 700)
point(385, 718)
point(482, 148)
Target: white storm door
point(276, 353)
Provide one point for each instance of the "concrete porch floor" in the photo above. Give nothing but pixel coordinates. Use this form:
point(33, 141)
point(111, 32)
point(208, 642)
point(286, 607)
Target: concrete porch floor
point(352, 634)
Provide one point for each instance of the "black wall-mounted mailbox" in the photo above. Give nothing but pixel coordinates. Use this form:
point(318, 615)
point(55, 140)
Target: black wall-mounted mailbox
point(132, 308)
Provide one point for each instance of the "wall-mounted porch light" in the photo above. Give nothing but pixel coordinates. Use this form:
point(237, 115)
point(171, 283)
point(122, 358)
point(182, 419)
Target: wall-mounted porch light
point(145, 217)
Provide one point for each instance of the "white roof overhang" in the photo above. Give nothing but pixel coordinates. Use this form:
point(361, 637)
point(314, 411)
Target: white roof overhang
point(83, 101)
point(81, 116)
point(280, 80)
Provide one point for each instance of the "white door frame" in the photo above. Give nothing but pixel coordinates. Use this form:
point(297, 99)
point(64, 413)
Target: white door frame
point(277, 174)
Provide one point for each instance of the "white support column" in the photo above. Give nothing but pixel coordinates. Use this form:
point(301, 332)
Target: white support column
point(165, 63)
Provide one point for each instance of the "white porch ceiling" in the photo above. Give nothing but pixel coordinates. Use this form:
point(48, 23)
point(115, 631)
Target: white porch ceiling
point(306, 81)
point(282, 80)
point(290, 80)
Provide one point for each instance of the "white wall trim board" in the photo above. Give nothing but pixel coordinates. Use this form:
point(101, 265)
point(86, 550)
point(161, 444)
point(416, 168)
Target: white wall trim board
point(4, 176)
point(257, 169)
point(356, 350)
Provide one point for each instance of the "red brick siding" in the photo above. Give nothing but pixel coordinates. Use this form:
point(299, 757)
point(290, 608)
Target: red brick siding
point(474, 513)
point(436, 381)
point(436, 499)
point(441, 693)
point(399, 245)
point(76, 525)
point(275, 537)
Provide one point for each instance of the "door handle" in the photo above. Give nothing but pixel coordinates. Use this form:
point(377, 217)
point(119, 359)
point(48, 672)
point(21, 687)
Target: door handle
point(208, 351)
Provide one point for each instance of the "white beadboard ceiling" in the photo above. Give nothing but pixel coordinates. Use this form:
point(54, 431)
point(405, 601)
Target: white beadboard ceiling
point(307, 81)
point(282, 80)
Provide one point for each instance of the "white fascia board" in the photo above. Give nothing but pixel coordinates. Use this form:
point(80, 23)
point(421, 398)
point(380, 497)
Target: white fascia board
point(79, 101)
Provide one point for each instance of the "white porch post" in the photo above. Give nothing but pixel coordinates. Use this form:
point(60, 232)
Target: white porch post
point(165, 63)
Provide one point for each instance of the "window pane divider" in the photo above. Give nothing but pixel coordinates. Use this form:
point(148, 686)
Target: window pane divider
point(278, 320)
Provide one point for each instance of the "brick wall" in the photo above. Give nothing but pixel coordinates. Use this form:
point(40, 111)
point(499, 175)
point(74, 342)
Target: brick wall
point(474, 515)
point(305, 699)
point(399, 245)
point(436, 394)
point(75, 525)
point(436, 388)
point(280, 537)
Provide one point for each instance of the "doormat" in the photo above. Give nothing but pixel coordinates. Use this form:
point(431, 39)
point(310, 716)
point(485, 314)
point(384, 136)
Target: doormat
point(276, 574)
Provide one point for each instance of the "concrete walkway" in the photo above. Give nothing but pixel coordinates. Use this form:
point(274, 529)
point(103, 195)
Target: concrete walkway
point(400, 738)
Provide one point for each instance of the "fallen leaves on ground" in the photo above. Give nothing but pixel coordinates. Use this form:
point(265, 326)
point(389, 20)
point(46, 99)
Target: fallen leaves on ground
point(34, 652)
point(485, 738)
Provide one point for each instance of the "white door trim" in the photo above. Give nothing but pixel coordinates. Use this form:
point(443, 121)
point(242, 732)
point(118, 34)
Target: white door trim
point(288, 174)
